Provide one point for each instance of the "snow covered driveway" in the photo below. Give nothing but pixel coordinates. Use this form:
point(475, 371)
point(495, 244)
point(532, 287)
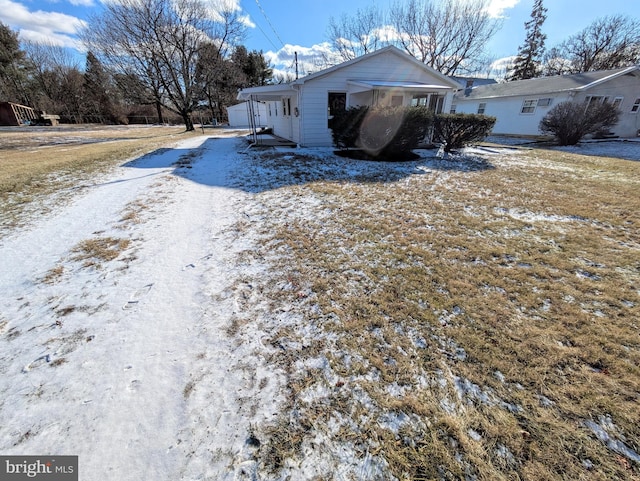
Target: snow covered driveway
point(112, 322)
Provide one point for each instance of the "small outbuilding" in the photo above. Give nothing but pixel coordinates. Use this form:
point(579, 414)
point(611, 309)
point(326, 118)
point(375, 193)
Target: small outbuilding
point(241, 115)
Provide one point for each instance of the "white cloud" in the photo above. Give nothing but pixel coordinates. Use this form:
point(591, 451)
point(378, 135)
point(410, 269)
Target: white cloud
point(82, 3)
point(216, 7)
point(40, 26)
point(310, 59)
point(496, 8)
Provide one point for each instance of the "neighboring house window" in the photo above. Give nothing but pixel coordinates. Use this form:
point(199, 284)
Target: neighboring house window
point(544, 102)
point(337, 102)
point(453, 109)
point(636, 106)
point(595, 99)
point(529, 106)
point(617, 102)
point(482, 107)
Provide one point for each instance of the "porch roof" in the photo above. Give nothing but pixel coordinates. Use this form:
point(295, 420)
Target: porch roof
point(364, 85)
point(265, 93)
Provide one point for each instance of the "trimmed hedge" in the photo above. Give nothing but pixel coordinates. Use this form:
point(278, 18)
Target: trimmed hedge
point(459, 130)
point(382, 132)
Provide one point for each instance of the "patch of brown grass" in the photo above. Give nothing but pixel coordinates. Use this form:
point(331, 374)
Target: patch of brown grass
point(93, 252)
point(37, 163)
point(493, 312)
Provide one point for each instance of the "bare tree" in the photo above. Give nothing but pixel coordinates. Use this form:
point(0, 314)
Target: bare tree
point(358, 35)
point(160, 41)
point(57, 82)
point(608, 43)
point(449, 35)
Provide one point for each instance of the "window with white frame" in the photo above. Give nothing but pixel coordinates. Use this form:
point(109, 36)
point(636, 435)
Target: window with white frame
point(482, 107)
point(636, 106)
point(529, 106)
point(452, 110)
point(544, 102)
point(595, 99)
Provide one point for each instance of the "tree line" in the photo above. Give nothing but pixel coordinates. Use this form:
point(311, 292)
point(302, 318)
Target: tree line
point(451, 36)
point(607, 43)
point(162, 57)
point(145, 58)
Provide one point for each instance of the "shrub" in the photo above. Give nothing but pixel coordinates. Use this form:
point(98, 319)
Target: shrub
point(345, 127)
point(459, 130)
point(570, 121)
point(384, 132)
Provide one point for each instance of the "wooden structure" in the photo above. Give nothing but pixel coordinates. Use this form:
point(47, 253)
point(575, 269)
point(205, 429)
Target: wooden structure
point(15, 115)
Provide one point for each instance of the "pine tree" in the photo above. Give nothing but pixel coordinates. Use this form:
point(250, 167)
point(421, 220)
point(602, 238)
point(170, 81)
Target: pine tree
point(527, 63)
point(13, 67)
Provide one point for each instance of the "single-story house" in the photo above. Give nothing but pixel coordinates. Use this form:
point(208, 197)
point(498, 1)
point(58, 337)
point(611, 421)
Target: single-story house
point(240, 115)
point(520, 105)
point(300, 111)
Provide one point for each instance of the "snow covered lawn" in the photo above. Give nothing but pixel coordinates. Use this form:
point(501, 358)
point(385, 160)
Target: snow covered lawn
point(213, 312)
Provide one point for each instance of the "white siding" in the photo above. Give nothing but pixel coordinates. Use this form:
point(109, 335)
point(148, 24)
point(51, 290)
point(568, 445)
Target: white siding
point(510, 120)
point(384, 67)
point(627, 87)
point(239, 115)
point(508, 112)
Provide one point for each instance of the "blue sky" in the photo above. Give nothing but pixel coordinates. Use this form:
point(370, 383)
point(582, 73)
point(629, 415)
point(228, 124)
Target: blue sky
point(279, 27)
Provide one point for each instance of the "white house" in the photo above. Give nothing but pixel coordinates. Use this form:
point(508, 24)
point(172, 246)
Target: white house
point(520, 105)
point(240, 115)
point(300, 111)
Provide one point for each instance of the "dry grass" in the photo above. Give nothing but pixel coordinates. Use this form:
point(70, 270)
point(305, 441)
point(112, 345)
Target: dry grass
point(93, 252)
point(38, 162)
point(467, 324)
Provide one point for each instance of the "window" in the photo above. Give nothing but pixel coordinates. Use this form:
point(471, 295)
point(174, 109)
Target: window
point(396, 100)
point(453, 109)
point(337, 103)
point(544, 102)
point(617, 102)
point(286, 106)
point(636, 106)
point(529, 106)
point(419, 100)
point(595, 99)
point(482, 107)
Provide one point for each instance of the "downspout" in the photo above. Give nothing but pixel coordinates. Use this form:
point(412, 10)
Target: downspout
point(300, 118)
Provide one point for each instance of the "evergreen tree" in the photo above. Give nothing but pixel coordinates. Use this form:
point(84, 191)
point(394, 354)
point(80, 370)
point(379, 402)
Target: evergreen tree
point(97, 91)
point(13, 67)
point(527, 63)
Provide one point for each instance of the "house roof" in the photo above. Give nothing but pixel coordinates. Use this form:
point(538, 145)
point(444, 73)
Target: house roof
point(277, 90)
point(391, 49)
point(547, 85)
